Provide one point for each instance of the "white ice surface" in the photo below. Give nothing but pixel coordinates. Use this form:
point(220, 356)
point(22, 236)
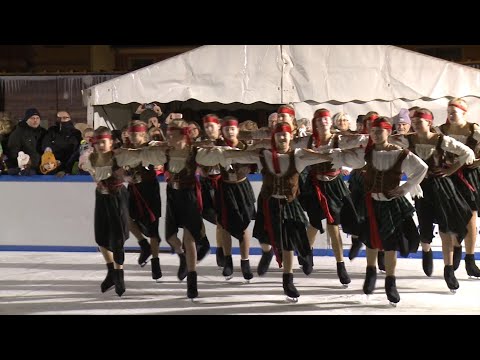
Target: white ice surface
point(40, 283)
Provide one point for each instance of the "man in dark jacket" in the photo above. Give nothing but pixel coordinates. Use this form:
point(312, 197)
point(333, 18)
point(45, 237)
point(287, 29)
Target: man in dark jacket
point(63, 138)
point(27, 137)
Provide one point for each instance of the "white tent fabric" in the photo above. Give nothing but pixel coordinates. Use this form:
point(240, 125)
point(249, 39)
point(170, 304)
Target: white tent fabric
point(351, 78)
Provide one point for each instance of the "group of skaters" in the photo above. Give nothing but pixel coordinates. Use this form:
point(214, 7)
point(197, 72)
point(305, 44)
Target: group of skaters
point(302, 185)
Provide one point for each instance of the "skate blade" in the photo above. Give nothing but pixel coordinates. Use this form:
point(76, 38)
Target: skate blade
point(110, 288)
point(392, 304)
point(453, 291)
point(345, 286)
point(229, 277)
point(382, 271)
point(473, 277)
point(247, 281)
point(193, 300)
point(158, 280)
point(292, 300)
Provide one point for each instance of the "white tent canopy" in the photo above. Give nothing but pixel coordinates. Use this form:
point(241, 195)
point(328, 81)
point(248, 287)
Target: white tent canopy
point(351, 78)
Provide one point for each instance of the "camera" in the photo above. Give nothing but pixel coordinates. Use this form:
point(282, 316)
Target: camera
point(149, 106)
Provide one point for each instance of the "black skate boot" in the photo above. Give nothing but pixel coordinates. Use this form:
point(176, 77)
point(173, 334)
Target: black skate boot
point(192, 291)
point(246, 271)
point(228, 268)
point(457, 256)
point(355, 248)
point(220, 257)
point(381, 260)
point(342, 274)
point(119, 281)
point(182, 268)
point(264, 263)
point(427, 262)
point(203, 248)
point(145, 252)
point(450, 279)
point(156, 270)
point(108, 283)
point(307, 266)
point(391, 290)
point(470, 266)
point(289, 289)
point(370, 280)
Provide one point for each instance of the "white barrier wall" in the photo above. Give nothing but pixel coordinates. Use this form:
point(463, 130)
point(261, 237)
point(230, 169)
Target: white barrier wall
point(59, 213)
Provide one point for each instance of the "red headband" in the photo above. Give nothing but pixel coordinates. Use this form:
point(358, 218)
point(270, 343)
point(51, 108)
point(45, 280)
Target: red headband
point(320, 114)
point(372, 117)
point(208, 119)
point(423, 116)
point(458, 106)
point(286, 110)
point(103, 136)
point(230, 123)
point(383, 125)
point(282, 128)
point(137, 129)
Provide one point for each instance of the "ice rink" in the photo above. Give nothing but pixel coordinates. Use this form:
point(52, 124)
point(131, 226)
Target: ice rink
point(55, 283)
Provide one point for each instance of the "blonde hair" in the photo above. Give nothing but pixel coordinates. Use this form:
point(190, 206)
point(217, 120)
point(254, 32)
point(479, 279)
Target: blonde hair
point(458, 101)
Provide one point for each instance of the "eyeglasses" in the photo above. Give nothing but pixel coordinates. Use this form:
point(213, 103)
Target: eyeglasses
point(63, 117)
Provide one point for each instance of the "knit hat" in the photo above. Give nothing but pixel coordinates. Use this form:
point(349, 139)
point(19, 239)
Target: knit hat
point(47, 157)
point(29, 113)
point(402, 117)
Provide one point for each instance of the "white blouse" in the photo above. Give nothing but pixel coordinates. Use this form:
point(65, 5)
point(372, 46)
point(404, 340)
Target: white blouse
point(303, 159)
point(412, 166)
point(344, 142)
point(98, 173)
point(449, 144)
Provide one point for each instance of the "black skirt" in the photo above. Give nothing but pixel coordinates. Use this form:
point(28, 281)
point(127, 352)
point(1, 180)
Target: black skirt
point(396, 227)
point(236, 206)
point(442, 204)
point(183, 212)
point(292, 235)
point(209, 212)
point(111, 219)
point(471, 196)
point(356, 185)
point(339, 202)
point(145, 206)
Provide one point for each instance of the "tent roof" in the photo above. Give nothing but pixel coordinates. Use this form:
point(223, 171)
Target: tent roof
point(278, 74)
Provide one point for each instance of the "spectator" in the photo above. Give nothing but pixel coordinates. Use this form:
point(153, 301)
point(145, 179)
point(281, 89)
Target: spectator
point(402, 122)
point(304, 126)
point(6, 128)
point(71, 167)
point(117, 139)
point(341, 122)
point(63, 138)
point(27, 137)
point(195, 131)
point(272, 120)
point(359, 128)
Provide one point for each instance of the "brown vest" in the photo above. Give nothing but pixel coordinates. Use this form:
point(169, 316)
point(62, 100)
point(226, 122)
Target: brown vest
point(287, 185)
point(377, 181)
point(324, 167)
point(438, 158)
point(471, 142)
point(236, 172)
point(186, 177)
